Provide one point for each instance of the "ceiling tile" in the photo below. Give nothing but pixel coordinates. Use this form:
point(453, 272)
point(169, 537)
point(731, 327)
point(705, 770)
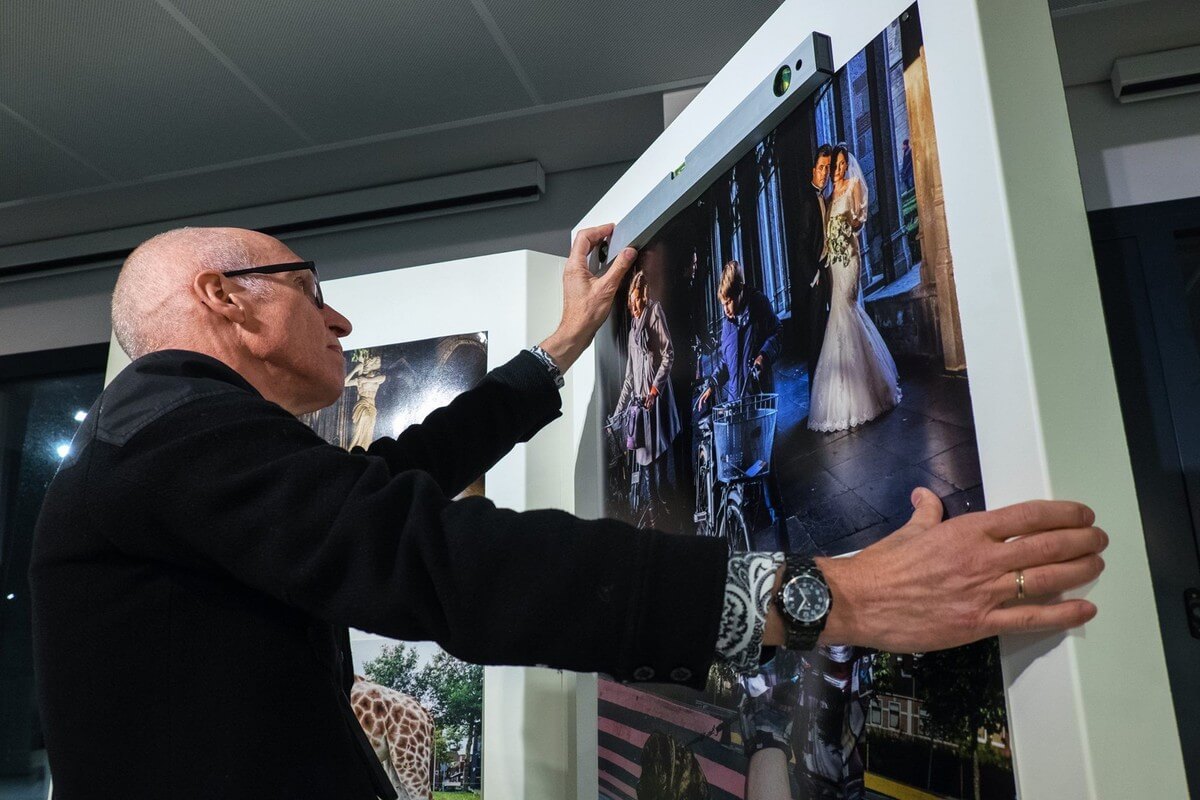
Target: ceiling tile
point(572, 48)
point(561, 139)
point(30, 166)
point(1089, 42)
point(126, 87)
point(381, 66)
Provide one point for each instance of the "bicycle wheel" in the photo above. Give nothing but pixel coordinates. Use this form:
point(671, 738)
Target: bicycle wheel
point(733, 529)
point(703, 516)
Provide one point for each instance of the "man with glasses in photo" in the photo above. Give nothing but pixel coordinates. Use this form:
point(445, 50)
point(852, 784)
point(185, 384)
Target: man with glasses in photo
point(201, 552)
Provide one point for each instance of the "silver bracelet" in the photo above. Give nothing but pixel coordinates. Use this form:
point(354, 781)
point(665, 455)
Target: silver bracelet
point(548, 362)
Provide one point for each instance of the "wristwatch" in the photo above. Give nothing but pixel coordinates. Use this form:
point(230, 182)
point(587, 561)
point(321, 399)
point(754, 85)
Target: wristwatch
point(548, 362)
point(804, 601)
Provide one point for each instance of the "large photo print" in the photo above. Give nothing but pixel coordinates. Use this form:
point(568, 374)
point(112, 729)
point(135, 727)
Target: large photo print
point(785, 366)
point(421, 708)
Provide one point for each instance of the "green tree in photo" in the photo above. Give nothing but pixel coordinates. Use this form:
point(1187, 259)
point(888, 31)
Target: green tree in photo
point(396, 668)
point(443, 751)
point(963, 693)
point(455, 693)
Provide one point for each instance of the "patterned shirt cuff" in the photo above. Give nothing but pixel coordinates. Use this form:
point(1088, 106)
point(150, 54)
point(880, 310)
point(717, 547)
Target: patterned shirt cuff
point(748, 586)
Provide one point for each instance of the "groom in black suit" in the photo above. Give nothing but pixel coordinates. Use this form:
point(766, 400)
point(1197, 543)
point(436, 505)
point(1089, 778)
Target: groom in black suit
point(810, 270)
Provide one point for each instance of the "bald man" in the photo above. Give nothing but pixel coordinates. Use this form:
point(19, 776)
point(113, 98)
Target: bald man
point(201, 552)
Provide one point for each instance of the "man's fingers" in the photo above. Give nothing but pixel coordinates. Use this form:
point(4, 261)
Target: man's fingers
point(1033, 618)
point(621, 264)
point(1050, 547)
point(927, 508)
point(1035, 516)
point(588, 238)
point(1049, 580)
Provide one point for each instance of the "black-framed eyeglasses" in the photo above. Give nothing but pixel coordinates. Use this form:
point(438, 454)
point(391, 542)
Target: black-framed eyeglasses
point(291, 266)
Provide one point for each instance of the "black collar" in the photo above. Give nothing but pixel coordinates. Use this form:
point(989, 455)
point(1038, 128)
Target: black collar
point(156, 384)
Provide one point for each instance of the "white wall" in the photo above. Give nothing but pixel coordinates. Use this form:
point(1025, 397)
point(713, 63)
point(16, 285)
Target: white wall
point(56, 311)
point(65, 310)
point(1134, 153)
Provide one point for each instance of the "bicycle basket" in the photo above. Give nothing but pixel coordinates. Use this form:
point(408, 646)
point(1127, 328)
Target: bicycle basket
point(614, 441)
point(744, 435)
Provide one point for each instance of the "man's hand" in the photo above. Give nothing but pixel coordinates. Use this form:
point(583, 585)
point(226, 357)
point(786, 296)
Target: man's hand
point(933, 584)
point(587, 298)
point(704, 398)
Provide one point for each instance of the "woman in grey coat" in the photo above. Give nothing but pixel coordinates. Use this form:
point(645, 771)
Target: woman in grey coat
point(648, 386)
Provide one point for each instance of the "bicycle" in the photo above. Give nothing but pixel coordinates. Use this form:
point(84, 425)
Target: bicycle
point(734, 453)
point(623, 466)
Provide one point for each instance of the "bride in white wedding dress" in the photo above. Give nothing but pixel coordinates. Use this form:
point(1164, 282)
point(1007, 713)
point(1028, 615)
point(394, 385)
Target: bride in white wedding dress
point(855, 380)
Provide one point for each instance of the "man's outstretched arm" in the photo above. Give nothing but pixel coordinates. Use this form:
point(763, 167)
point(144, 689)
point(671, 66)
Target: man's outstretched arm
point(934, 584)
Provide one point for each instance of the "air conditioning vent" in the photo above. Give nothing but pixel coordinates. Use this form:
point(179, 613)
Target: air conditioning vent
point(1065, 8)
point(1152, 75)
point(492, 187)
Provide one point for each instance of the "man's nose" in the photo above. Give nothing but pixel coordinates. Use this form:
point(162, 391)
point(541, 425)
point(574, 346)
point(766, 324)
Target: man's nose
point(337, 323)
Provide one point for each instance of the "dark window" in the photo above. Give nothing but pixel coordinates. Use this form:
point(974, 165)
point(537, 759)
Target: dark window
point(1188, 247)
point(43, 399)
point(772, 246)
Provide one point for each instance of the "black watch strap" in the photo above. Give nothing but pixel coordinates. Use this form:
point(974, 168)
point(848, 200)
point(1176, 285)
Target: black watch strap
point(800, 635)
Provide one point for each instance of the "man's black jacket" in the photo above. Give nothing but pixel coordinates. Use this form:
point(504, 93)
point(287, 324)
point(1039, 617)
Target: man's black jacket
point(810, 304)
point(201, 551)
point(810, 242)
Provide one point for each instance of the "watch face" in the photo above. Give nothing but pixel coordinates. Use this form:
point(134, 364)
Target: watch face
point(806, 598)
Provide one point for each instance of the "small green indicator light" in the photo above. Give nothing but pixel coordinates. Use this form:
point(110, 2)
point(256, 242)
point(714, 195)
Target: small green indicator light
point(783, 80)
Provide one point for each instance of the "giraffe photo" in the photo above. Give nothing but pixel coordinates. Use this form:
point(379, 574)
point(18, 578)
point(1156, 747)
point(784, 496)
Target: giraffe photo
point(400, 731)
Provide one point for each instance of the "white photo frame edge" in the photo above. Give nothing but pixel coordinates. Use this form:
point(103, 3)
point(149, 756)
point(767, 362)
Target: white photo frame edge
point(1090, 711)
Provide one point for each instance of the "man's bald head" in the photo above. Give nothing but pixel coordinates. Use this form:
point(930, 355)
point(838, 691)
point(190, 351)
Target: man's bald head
point(273, 329)
point(153, 307)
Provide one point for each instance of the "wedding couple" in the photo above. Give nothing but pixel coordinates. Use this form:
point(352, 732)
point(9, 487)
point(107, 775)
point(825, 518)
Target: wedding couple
point(852, 376)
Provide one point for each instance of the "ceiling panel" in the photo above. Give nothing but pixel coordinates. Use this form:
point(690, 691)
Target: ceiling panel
point(1088, 42)
point(126, 87)
point(574, 48)
point(560, 139)
point(30, 165)
point(343, 71)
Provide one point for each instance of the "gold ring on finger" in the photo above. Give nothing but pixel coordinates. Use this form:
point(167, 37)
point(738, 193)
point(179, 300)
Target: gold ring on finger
point(1020, 584)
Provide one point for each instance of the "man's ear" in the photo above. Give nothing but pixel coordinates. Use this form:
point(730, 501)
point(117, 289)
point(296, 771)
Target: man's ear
point(211, 289)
